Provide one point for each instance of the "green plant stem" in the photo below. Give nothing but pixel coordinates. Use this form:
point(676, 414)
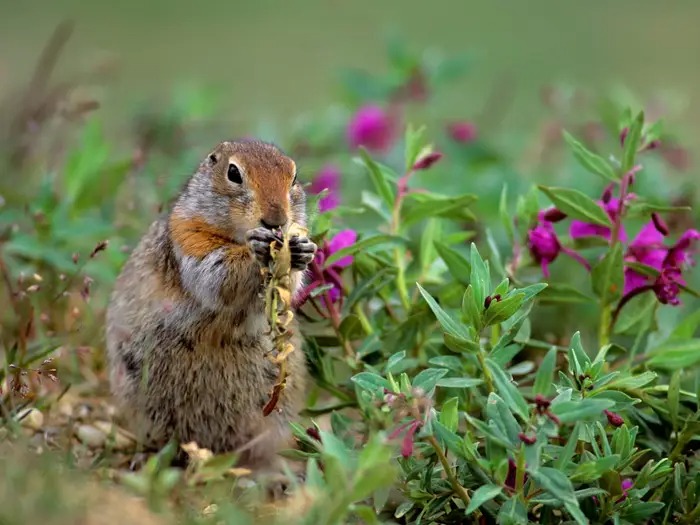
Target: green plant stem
point(456, 486)
point(604, 328)
point(398, 259)
point(366, 325)
point(487, 374)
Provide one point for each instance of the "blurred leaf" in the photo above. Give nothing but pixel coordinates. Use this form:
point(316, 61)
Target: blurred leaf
point(364, 244)
point(381, 185)
point(563, 293)
point(608, 276)
point(414, 143)
point(641, 511)
point(675, 355)
point(394, 360)
point(449, 415)
point(576, 205)
point(506, 217)
point(420, 206)
point(457, 264)
point(589, 160)
point(544, 379)
point(632, 142)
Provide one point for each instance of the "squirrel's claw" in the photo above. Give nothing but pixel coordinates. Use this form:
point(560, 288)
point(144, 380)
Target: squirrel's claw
point(303, 251)
point(259, 241)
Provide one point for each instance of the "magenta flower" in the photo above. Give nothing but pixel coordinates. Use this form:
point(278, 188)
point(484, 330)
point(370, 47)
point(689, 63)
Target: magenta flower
point(611, 205)
point(463, 132)
point(327, 179)
point(372, 127)
point(410, 429)
point(626, 485)
point(648, 248)
point(324, 274)
point(544, 244)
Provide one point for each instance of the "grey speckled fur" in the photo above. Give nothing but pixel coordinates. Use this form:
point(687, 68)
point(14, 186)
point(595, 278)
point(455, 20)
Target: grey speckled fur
point(187, 337)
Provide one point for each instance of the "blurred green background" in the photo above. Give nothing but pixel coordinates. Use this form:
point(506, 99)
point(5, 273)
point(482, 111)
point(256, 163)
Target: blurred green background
point(275, 60)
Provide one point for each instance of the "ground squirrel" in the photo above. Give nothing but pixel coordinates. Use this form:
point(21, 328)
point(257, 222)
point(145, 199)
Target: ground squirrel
point(187, 335)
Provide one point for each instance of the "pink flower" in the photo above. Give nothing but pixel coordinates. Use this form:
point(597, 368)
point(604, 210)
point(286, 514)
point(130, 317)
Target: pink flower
point(327, 179)
point(372, 127)
point(324, 274)
point(625, 486)
point(463, 132)
point(648, 249)
point(580, 229)
point(407, 442)
point(544, 244)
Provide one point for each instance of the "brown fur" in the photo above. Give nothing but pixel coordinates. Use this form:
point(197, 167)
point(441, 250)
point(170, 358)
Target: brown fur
point(187, 336)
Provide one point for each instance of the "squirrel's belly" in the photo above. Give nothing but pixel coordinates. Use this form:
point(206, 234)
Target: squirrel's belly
point(215, 396)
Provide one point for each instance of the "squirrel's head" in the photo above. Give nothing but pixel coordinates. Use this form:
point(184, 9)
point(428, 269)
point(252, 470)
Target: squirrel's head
point(243, 185)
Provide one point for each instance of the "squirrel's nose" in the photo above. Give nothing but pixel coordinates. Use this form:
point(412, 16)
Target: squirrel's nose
point(272, 225)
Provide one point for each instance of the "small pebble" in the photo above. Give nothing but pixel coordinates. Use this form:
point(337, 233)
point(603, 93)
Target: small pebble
point(122, 441)
point(31, 418)
point(91, 436)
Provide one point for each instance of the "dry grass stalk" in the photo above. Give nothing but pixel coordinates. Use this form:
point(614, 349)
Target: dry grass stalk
point(278, 299)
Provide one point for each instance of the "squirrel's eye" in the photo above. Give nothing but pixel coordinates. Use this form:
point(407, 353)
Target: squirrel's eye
point(234, 174)
point(213, 159)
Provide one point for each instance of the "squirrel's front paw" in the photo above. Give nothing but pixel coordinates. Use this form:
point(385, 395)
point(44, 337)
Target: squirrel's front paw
point(303, 251)
point(259, 241)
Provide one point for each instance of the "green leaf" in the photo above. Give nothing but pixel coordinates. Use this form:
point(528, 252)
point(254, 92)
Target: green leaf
point(513, 512)
point(427, 379)
point(414, 143)
point(674, 389)
point(500, 415)
point(577, 355)
point(421, 206)
point(471, 309)
point(686, 328)
point(448, 324)
point(506, 217)
point(637, 315)
point(641, 511)
point(608, 276)
point(394, 360)
point(482, 495)
point(460, 344)
point(480, 278)
point(499, 311)
point(371, 382)
point(449, 415)
point(556, 293)
point(675, 355)
point(569, 450)
point(576, 205)
point(632, 142)
point(364, 244)
point(544, 380)
point(589, 160)
point(582, 410)
point(509, 392)
point(378, 179)
point(459, 382)
point(558, 485)
point(456, 263)
point(632, 382)
point(452, 441)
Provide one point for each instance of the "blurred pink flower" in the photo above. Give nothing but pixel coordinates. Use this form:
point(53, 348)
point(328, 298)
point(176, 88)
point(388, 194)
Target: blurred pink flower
point(327, 179)
point(372, 127)
point(463, 132)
